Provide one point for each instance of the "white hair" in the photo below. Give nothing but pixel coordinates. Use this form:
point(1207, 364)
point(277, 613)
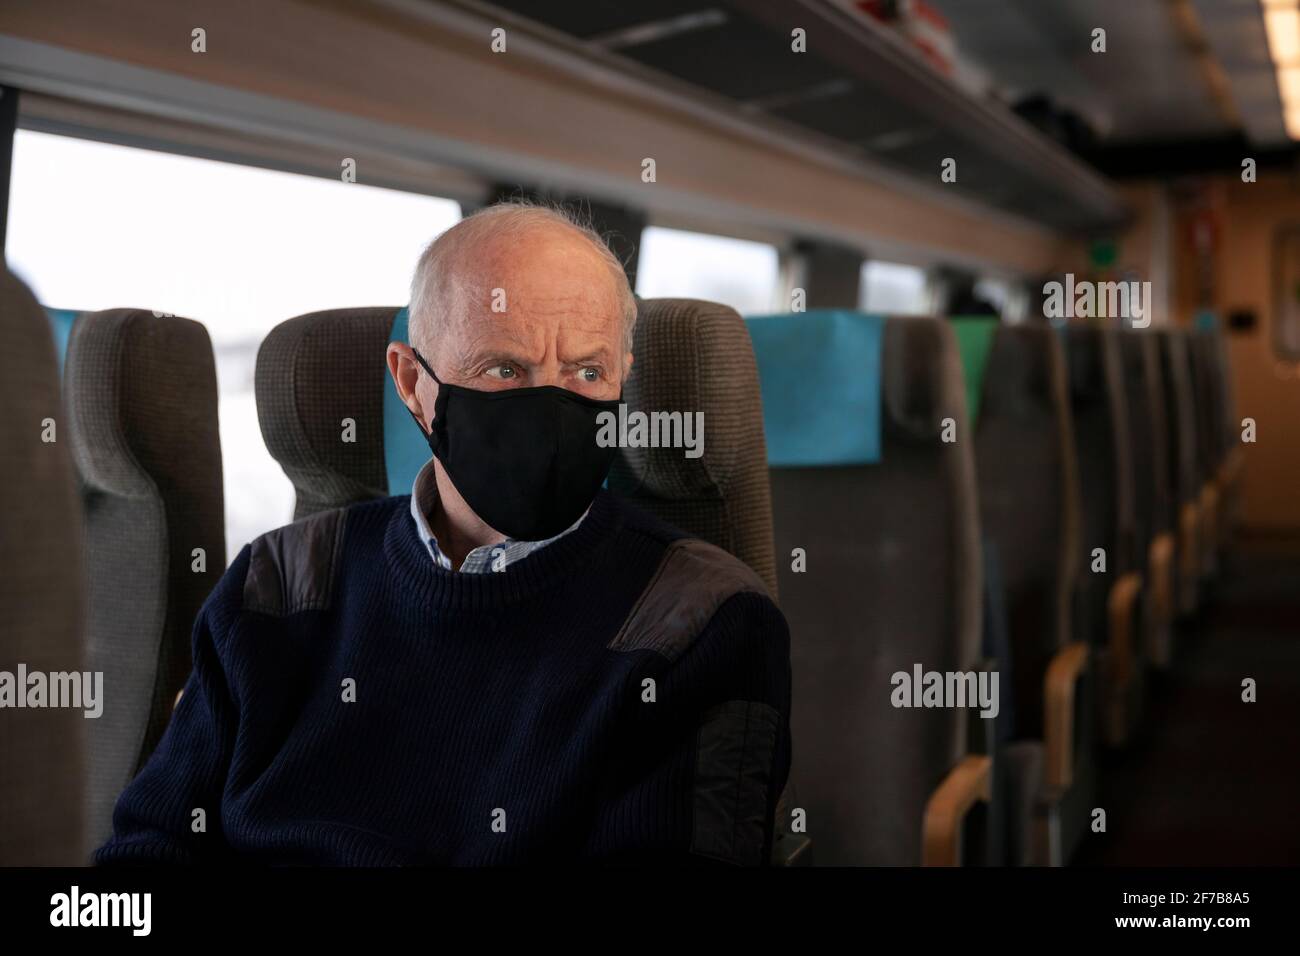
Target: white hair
point(432, 287)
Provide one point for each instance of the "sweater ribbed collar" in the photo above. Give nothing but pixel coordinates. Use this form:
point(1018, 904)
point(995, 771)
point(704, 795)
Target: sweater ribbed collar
point(434, 587)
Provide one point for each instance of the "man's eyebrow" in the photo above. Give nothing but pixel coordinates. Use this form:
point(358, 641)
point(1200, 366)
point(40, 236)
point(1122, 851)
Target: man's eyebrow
point(503, 354)
point(601, 354)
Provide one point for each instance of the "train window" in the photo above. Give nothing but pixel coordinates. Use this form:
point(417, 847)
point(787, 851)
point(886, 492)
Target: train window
point(241, 249)
point(738, 272)
point(1009, 298)
point(891, 287)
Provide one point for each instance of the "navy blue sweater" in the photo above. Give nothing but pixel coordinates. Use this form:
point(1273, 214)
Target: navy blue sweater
point(621, 695)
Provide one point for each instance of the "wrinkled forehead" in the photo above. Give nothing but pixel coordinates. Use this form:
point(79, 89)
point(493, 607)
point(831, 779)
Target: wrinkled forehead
point(537, 280)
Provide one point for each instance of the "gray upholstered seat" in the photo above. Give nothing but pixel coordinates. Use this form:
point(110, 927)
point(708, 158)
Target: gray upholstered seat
point(1228, 435)
point(312, 372)
point(142, 415)
point(695, 356)
point(1108, 599)
point(1156, 517)
point(41, 594)
point(1027, 479)
point(1180, 408)
point(1213, 442)
point(892, 580)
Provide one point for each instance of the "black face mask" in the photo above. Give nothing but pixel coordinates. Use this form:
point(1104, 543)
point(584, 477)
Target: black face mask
point(525, 459)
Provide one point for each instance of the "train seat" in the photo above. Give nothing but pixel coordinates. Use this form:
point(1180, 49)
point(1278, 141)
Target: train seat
point(1209, 446)
point(42, 598)
point(1155, 518)
point(1110, 575)
point(149, 467)
point(1219, 447)
point(695, 357)
point(1028, 500)
point(1180, 409)
point(1229, 474)
point(878, 563)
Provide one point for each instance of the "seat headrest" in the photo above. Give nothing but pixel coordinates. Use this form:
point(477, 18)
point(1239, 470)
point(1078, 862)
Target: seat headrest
point(314, 373)
point(1020, 370)
point(692, 356)
point(1084, 362)
point(123, 371)
point(1173, 347)
point(919, 379)
point(821, 378)
point(1133, 345)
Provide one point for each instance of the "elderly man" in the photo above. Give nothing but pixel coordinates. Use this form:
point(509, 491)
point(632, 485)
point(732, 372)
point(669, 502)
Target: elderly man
point(508, 665)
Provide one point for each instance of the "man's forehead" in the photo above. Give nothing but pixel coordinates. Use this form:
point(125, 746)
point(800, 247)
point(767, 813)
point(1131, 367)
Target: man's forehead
point(517, 291)
point(527, 327)
point(583, 325)
point(580, 306)
point(535, 278)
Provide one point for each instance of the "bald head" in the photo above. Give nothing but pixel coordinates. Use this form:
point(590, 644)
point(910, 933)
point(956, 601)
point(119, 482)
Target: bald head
point(516, 259)
point(516, 296)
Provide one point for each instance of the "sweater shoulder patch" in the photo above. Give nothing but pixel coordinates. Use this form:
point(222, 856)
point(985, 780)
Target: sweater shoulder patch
point(293, 568)
point(692, 581)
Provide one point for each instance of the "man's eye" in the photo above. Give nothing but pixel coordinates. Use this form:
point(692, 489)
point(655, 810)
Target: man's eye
point(505, 371)
point(589, 374)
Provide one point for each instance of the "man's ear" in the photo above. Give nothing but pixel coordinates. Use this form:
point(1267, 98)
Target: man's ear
point(405, 372)
point(627, 367)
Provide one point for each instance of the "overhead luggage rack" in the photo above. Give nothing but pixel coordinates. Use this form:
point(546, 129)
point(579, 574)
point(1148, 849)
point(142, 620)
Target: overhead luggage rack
point(860, 93)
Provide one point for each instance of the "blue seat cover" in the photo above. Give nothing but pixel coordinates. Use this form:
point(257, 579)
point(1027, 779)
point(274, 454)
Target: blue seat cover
point(405, 449)
point(820, 376)
point(61, 322)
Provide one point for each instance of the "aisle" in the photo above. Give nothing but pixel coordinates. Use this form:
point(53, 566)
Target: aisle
point(1214, 780)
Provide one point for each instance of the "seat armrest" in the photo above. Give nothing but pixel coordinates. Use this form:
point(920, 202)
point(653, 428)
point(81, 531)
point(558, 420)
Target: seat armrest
point(1059, 684)
point(1161, 560)
point(947, 807)
point(1164, 600)
point(1121, 605)
point(792, 849)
